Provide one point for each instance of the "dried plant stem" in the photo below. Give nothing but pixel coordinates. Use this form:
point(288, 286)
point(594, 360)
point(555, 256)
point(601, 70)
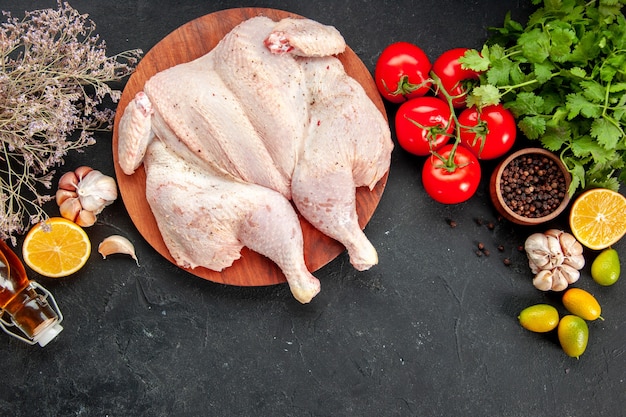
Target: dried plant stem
point(54, 76)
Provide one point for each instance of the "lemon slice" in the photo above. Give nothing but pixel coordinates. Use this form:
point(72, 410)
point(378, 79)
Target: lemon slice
point(56, 248)
point(598, 218)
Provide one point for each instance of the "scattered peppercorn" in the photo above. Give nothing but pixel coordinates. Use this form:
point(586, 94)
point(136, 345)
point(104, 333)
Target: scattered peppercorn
point(532, 186)
point(486, 252)
point(501, 248)
point(481, 245)
point(451, 222)
point(507, 261)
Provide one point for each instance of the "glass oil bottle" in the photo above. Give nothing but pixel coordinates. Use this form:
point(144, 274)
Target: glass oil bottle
point(27, 310)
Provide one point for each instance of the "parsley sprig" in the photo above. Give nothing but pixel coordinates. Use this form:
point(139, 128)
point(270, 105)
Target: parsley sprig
point(563, 75)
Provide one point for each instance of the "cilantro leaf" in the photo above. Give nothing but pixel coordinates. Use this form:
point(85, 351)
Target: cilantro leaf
point(484, 95)
point(499, 72)
point(613, 65)
point(526, 103)
point(517, 74)
point(585, 146)
point(474, 60)
point(543, 71)
point(535, 45)
point(561, 43)
point(593, 91)
point(586, 48)
point(555, 138)
point(606, 133)
point(532, 126)
point(578, 72)
point(576, 104)
point(620, 109)
point(609, 10)
point(618, 87)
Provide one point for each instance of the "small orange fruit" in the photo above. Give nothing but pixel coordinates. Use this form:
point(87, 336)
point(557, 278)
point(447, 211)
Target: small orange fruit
point(56, 248)
point(539, 318)
point(598, 218)
point(573, 334)
point(605, 269)
point(581, 303)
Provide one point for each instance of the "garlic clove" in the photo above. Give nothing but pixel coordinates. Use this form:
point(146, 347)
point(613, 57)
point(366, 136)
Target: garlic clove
point(535, 241)
point(576, 261)
point(82, 171)
point(85, 218)
point(570, 274)
point(62, 195)
point(556, 233)
point(70, 208)
point(117, 244)
point(96, 191)
point(537, 250)
point(571, 246)
point(559, 283)
point(555, 251)
point(534, 268)
point(543, 280)
point(68, 181)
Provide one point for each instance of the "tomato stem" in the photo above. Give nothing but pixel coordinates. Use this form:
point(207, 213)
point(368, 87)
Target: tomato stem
point(404, 87)
point(448, 163)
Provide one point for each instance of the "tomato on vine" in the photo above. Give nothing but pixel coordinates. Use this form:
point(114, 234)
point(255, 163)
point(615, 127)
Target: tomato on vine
point(451, 179)
point(453, 76)
point(489, 132)
point(424, 124)
point(402, 72)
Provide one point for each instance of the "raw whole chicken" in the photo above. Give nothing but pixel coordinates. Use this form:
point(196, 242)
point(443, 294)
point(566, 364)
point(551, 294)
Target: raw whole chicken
point(227, 140)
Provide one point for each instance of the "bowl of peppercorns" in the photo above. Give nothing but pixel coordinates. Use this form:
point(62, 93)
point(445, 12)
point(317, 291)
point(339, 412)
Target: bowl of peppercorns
point(530, 186)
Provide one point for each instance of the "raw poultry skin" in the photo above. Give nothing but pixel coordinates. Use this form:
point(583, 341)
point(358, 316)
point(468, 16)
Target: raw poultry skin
point(207, 219)
point(267, 116)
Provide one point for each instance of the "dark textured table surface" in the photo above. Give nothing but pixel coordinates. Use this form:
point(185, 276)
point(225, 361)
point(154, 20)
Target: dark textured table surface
point(430, 331)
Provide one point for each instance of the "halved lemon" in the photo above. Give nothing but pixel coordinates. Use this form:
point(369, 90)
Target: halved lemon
point(598, 218)
point(56, 248)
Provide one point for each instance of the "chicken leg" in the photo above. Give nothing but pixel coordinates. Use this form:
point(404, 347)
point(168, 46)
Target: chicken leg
point(349, 150)
point(206, 219)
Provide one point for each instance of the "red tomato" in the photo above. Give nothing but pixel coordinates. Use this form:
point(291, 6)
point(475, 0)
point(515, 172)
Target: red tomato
point(402, 72)
point(451, 186)
point(424, 124)
point(448, 68)
point(492, 132)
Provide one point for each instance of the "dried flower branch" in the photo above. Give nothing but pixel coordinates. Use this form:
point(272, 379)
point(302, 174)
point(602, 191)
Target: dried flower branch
point(53, 81)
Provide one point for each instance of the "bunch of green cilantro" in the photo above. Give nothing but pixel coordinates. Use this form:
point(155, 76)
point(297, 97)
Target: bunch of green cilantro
point(563, 76)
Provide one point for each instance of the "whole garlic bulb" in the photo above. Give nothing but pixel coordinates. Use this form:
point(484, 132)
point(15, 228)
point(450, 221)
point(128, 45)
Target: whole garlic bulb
point(83, 194)
point(555, 257)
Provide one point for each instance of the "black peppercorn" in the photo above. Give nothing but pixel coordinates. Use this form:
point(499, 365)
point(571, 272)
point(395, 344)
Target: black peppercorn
point(532, 186)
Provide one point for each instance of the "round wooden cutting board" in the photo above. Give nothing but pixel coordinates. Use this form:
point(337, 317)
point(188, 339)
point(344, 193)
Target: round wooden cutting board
point(188, 42)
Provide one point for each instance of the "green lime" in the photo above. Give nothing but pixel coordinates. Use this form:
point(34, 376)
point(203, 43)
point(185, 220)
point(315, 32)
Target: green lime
point(605, 269)
point(540, 318)
point(573, 335)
